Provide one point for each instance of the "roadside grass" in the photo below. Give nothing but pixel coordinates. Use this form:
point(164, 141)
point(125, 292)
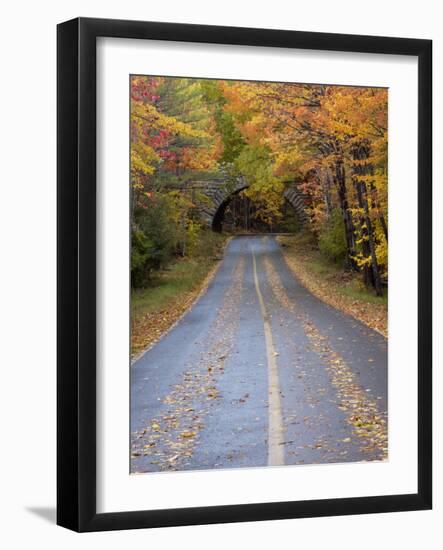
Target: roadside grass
point(329, 282)
point(166, 286)
point(357, 290)
point(169, 293)
point(351, 285)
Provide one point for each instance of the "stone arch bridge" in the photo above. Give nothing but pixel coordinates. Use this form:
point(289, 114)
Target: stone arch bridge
point(218, 193)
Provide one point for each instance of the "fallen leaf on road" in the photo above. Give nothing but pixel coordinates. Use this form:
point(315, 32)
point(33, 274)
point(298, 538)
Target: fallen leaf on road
point(188, 434)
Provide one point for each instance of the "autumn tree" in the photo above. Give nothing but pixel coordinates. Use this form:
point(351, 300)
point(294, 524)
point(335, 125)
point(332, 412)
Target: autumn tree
point(332, 139)
point(329, 140)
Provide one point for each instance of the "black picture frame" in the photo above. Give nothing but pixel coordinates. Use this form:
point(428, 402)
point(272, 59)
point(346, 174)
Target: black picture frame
point(76, 280)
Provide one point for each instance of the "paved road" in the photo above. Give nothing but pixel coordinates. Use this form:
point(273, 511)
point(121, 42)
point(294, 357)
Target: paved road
point(259, 372)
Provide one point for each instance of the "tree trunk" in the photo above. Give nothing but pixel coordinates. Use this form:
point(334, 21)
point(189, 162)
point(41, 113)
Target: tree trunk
point(361, 169)
point(380, 216)
point(324, 177)
point(340, 183)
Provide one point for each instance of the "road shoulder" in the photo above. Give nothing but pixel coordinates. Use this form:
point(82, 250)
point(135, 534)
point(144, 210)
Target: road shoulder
point(148, 328)
point(331, 290)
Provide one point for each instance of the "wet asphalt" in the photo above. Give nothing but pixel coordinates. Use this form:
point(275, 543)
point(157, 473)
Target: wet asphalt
point(200, 395)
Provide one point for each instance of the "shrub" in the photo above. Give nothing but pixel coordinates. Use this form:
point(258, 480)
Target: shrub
point(193, 231)
point(152, 240)
point(332, 238)
point(141, 257)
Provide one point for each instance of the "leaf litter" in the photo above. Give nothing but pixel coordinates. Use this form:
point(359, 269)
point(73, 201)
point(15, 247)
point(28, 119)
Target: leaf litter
point(168, 441)
point(363, 415)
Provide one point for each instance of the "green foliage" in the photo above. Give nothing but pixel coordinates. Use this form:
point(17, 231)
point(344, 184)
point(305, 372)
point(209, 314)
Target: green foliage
point(141, 264)
point(193, 230)
point(332, 240)
point(231, 138)
point(265, 189)
point(289, 222)
point(153, 239)
point(163, 231)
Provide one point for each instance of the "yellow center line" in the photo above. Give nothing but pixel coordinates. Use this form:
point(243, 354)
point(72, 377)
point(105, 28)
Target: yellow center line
point(276, 455)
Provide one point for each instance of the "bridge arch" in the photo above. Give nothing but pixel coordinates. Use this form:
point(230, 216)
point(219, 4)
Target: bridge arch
point(217, 220)
point(219, 195)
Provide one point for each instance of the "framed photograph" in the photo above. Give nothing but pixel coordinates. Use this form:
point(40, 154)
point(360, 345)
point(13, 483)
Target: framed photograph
point(244, 274)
